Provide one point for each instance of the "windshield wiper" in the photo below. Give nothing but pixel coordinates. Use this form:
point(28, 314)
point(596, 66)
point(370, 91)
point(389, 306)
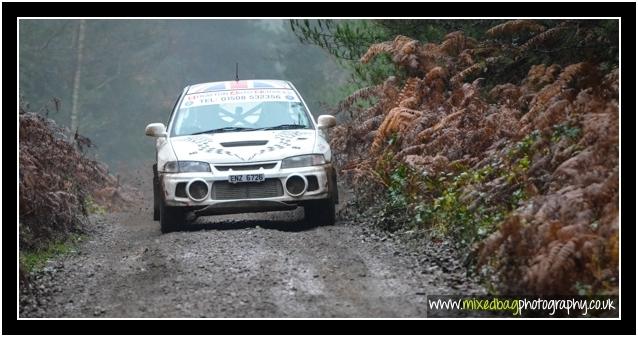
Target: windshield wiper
point(284, 127)
point(225, 129)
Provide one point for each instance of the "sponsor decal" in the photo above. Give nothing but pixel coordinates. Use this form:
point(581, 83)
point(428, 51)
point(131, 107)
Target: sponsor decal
point(240, 96)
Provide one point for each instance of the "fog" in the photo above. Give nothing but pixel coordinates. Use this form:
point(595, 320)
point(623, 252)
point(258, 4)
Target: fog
point(116, 76)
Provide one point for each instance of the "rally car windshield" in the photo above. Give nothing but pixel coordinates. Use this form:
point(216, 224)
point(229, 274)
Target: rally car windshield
point(249, 111)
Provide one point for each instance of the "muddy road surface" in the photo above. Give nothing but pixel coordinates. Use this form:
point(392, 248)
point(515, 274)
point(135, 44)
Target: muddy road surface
point(256, 265)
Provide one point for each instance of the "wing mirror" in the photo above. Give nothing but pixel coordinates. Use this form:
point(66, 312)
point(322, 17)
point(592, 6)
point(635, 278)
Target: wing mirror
point(326, 121)
point(156, 130)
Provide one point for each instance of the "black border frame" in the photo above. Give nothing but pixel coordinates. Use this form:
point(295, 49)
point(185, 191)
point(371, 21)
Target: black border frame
point(627, 325)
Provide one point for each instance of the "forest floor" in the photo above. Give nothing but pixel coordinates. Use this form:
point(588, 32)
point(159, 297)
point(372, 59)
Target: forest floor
point(256, 265)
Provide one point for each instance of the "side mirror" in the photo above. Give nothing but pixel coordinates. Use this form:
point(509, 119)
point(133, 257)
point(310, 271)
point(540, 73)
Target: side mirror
point(156, 130)
point(326, 121)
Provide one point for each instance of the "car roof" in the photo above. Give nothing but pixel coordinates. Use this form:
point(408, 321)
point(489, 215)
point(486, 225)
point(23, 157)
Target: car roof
point(238, 85)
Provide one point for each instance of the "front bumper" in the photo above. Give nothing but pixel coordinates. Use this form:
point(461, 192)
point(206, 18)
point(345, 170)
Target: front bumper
point(216, 204)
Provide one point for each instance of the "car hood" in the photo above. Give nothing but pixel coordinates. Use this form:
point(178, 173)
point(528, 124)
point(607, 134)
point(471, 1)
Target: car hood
point(248, 146)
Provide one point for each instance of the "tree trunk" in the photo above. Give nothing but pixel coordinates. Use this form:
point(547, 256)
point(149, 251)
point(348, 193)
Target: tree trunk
point(76, 79)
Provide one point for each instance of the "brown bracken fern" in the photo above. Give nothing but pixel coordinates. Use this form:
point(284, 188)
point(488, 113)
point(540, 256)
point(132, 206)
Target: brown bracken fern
point(552, 137)
point(513, 27)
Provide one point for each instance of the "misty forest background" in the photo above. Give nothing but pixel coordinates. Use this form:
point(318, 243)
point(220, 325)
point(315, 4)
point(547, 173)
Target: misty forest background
point(128, 73)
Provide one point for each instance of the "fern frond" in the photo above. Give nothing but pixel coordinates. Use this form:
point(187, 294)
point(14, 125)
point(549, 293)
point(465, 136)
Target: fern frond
point(471, 70)
point(397, 120)
point(403, 49)
point(513, 27)
point(456, 42)
point(376, 49)
point(573, 71)
point(363, 93)
point(543, 38)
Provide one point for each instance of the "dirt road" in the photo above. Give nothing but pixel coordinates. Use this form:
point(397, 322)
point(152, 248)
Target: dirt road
point(260, 265)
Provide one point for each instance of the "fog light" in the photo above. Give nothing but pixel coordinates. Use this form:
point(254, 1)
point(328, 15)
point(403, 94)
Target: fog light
point(296, 185)
point(197, 190)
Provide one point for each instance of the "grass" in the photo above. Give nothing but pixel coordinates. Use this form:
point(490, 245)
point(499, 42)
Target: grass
point(37, 259)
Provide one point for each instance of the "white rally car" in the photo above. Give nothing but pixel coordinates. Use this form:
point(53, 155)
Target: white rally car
point(239, 147)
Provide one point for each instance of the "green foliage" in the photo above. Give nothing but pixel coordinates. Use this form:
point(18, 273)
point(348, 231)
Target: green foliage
point(347, 41)
point(344, 39)
point(440, 203)
point(523, 147)
point(518, 196)
point(470, 177)
point(567, 130)
point(593, 40)
point(350, 39)
point(32, 260)
point(449, 213)
point(397, 186)
point(452, 203)
point(374, 72)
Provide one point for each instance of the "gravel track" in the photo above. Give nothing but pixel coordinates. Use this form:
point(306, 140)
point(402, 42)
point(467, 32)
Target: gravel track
point(256, 265)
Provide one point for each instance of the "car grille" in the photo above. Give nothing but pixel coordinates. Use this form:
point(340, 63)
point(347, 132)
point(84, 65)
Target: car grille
point(223, 190)
point(180, 190)
point(313, 183)
point(245, 167)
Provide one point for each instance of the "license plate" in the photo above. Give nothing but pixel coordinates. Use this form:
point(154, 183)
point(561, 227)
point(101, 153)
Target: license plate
point(246, 178)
